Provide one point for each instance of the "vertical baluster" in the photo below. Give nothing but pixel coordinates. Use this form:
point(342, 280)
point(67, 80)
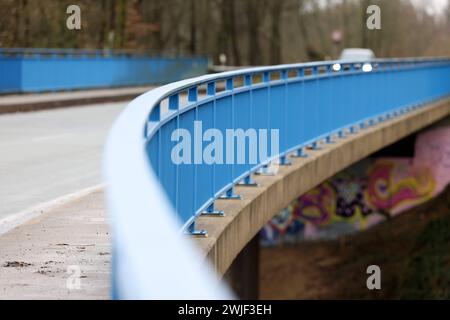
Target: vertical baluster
point(229, 194)
point(193, 94)
point(329, 101)
point(174, 102)
point(266, 80)
point(382, 92)
point(248, 81)
point(192, 231)
point(302, 119)
point(315, 108)
point(353, 99)
point(155, 114)
point(283, 159)
point(193, 97)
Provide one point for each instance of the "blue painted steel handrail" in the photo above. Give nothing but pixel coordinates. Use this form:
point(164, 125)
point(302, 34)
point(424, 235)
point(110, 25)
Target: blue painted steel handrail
point(306, 102)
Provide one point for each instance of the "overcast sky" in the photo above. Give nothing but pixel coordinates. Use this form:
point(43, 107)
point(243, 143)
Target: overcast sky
point(432, 6)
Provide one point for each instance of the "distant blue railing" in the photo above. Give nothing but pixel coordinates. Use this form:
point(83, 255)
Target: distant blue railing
point(307, 103)
point(35, 70)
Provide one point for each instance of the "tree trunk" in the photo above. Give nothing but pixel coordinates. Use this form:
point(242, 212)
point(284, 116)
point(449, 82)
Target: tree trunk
point(193, 40)
point(233, 33)
point(254, 17)
point(17, 10)
point(112, 24)
point(222, 38)
point(120, 40)
point(103, 27)
point(364, 31)
point(26, 33)
point(206, 22)
point(275, 36)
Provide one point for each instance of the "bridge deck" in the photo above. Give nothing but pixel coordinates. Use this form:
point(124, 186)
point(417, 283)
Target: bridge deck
point(49, 154)
point(35, 256)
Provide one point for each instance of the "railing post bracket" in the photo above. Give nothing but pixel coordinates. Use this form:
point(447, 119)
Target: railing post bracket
point(315, 145)
point(212, 212)
point(192, 232)
point(230, 195)
point(329, 139)
point(248, 182)
point(284, 161)
point(299, 154)
point(264, 171)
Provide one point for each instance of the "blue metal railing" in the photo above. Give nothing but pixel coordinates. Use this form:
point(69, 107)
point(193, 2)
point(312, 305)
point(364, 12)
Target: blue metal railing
point(307, 103)
point(35, 70)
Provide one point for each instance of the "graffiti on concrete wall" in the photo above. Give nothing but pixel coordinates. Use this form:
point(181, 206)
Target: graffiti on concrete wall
point(395, 185)
point(365, 194)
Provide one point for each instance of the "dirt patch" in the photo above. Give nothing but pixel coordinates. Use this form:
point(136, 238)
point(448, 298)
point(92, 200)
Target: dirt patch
point(16, 264)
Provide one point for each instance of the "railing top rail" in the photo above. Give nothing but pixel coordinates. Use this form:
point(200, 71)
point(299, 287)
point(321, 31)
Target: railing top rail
point(157, 95)
point(181, 85)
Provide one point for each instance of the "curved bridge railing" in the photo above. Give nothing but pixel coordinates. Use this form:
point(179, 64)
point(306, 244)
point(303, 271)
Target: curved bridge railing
point(178, 148)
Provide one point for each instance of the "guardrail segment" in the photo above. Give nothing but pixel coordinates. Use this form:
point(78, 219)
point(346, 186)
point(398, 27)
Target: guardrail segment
point(302, 103)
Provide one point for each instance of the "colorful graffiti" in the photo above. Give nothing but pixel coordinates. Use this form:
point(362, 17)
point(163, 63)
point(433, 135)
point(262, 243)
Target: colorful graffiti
point(365, 194)
point(396, 185)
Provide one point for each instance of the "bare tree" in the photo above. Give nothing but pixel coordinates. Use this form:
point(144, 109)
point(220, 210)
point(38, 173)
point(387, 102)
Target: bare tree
point(120, 39)
point(249, 31)
point(193, 28)
point(275, 35)
point(255, 11)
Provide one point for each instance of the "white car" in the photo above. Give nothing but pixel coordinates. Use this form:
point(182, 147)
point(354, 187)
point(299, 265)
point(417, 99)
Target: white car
point(356, 55)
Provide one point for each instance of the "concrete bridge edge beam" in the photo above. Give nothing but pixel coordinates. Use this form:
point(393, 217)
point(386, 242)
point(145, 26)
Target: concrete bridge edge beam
point(228, 235)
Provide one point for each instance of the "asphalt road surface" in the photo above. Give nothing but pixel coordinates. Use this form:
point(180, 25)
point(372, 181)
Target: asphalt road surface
point(48, 154)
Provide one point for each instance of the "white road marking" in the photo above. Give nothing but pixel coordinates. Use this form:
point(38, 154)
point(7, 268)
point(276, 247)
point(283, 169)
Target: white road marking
point(15, 220)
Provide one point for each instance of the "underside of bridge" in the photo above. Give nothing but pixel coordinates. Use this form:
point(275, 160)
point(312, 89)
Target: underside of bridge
point(412, 251)
point(230, 237)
